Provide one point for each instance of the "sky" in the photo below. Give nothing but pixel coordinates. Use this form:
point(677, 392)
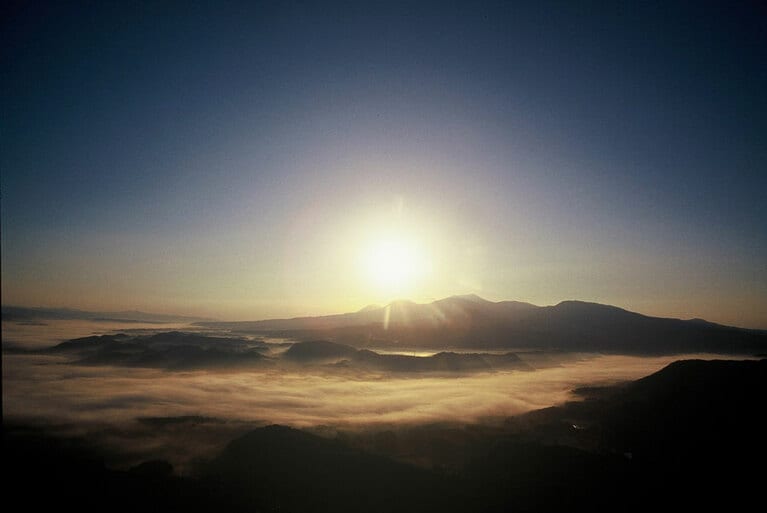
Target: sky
point(252, 160)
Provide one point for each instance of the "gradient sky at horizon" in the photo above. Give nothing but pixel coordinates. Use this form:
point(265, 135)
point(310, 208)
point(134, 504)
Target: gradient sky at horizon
point(232, 159)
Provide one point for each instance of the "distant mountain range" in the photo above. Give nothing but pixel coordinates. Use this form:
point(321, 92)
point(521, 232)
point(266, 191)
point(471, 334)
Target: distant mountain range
point(175, 350)
point(471, 322)
point(171, 350)
point(342, 356)
point(29, 314)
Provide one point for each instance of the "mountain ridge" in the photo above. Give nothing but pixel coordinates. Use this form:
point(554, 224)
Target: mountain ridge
point(470, 298)
point(28, 313)
point(471, 322)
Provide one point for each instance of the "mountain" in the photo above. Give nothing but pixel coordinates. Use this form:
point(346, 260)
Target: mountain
point(470, 322)
point(454, 311)
point(46, 472)
point(186, 351)
point(689, 407)
point(578, 325)
point(690, 433)
point(324, 352)
point(683, 438)
point(21, 314)
point(277, 468)
point(320, 351)
point(170, 350)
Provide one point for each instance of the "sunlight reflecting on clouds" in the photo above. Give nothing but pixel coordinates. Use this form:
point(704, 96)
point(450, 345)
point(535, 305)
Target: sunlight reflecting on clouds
point(45, 389)
point(138, 413)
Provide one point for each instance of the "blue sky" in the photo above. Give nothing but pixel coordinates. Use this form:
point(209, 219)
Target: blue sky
point(232, 159)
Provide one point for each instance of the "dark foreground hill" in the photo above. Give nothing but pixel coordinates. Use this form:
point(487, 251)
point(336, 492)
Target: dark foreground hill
point(690, 437)
point(277, 468)
point(692, 410)
point(470, 322)
point(271, 469)
point(49, 474)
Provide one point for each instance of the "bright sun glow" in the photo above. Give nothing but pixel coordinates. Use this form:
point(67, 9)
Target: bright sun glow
point(395, 264)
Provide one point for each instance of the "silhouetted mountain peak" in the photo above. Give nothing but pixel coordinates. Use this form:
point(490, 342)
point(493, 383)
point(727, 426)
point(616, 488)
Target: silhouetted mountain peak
point(470, 297)
point(703, 322)
point(577, 305)
point(589, 311)
point(401, 303)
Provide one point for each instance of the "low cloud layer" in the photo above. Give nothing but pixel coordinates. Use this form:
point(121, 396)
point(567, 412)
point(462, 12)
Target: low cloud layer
point(46, 389)
point(114, 403)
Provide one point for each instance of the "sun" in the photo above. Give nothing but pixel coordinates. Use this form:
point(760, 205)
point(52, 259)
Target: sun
point(395, 264)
